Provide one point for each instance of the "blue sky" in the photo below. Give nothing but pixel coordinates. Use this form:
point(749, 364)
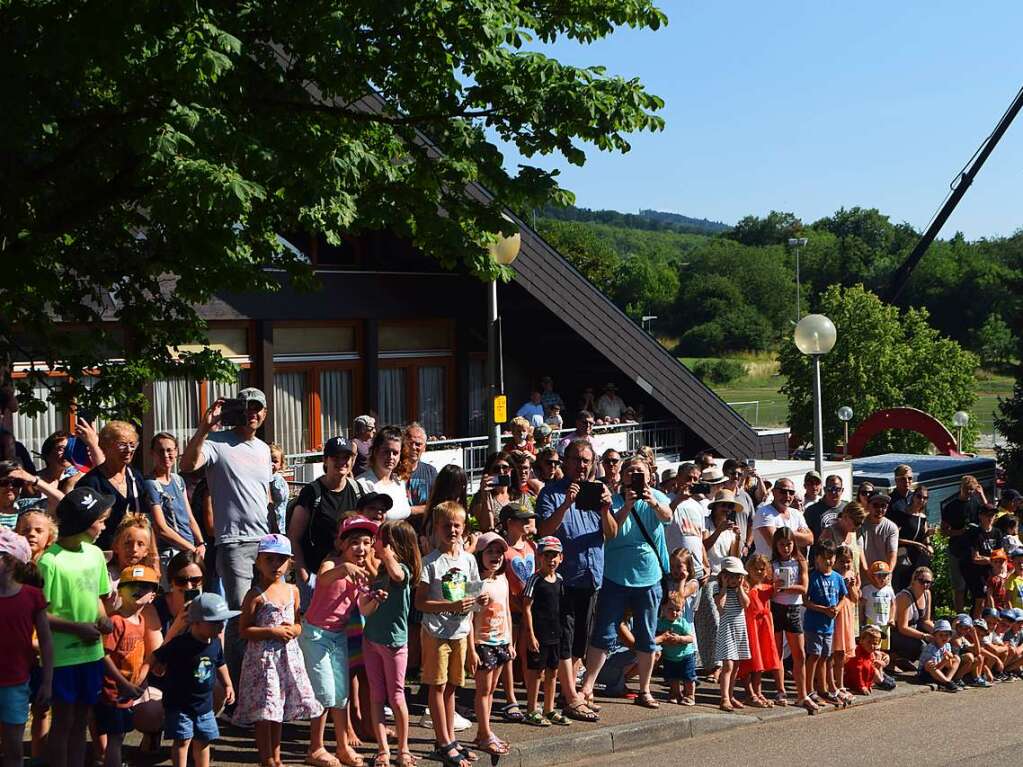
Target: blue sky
point(810, 106)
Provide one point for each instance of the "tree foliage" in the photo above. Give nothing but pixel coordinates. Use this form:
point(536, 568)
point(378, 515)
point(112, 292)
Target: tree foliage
point(882, 358)
point(154, 152)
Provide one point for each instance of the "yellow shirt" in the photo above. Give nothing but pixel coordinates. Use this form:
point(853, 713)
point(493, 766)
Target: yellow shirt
point(1014, 587)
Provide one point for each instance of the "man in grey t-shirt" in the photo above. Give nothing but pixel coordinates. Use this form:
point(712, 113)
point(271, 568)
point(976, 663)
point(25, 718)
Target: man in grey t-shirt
point(878, 538)
point(238, 472)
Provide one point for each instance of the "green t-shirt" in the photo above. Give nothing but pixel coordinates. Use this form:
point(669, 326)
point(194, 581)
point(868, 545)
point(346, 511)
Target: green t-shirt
point(388, 625)
point(682, 627)
point(72, 584)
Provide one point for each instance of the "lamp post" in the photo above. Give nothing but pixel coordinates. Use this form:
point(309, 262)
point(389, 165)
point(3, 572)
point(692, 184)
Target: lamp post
point(959, 419)
point(504, 251)
point(815, 335)
point(796, 243)
point(647, 321)
point(845, 414)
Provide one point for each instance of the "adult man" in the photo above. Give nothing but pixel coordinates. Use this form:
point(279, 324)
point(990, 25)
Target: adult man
point(549, 397)
point(957, 517)
point(822, 514)
point(688, 521)
point(583, 430)
point(811, 488)
point(238, 474)
point(532, 411)
point(423, 475)
point(735, 482)
point(582, 537)
point(878, 539)
point(364, 428)
point(548, 465)
point(779, 513)
point(610, 405)
point(902, 498)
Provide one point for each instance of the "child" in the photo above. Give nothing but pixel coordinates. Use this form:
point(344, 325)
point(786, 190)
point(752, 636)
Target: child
point(824, 593)
point(22, 612)
point(878, 602)
point(273, 681)
point(554, 419)
point(125, 660)
point(760, 629)
point(544, 629)
point(1009, 525)
point(324, 639)
point(682, 578)
point(790, 579)
point(279, 492)
point(189, 664)
point(997, 591)
point(1014, 583)
point(866, 668)
point(386, 609)
point(994, 662)
point(75, 581)
point(443, 596)
point(966, 644)
point(846, 620)
point(732, 598)
point(519, 523)
point(937, 661)
point(675, 639)
point(492, 630)
point(134, 544)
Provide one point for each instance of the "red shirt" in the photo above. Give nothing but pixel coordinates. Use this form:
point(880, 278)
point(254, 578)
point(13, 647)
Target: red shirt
point(859, 669)
point(17, 619)
point(126, 646)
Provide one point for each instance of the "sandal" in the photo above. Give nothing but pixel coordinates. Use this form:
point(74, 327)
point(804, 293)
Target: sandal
point(688, 700)
point(556, 717)
point(537, 719)
point(407, 759)
point(356, 761)
point(811, 707)
point(726, 707)
point(646, 700)
point(590, 704)
point(580, 712)
point(512, 713)
point(492, 745)
point(322, 758)
point(444, 753)
point(736, 703)
point(382, 759)
point(781, 699)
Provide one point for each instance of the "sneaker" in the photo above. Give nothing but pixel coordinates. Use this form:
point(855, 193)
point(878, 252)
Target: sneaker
point(1003, 677)
point(461, 723)
point(960, 684)
point(388, 714)
point(425, 721)
point(980, 682)
point(949, 686)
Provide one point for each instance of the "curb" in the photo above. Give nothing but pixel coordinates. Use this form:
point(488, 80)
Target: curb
point(627, 737)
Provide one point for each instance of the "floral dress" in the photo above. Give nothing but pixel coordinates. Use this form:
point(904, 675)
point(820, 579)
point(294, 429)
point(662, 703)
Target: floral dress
point(274, 685)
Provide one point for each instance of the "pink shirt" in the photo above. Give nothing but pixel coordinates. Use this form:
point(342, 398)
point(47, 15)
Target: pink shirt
point(492, 624)
point(332, 604)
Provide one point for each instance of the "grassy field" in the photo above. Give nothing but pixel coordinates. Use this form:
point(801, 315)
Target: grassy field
point(763, 387)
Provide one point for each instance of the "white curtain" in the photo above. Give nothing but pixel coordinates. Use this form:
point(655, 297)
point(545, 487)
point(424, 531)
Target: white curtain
point(392, 397)
point(432, 396)
point(291, 424)
point(33, 431)
point(176, 407)
point(217, 389)
point(477, 388)
point(335, 403)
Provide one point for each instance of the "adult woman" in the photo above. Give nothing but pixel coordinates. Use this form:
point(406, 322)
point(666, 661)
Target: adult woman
point(57, 469)
point(381, 475)
point(497, 488)
point(635, 561)
point(522, 465)
point(863, 493)
point(173, 521)
point(185, 574)
point(843, 532)
point(611, 463)
point(116, 477)
point(452, 485)
point(722, 539)
point(913, 623)
point(13, 481)
point(914, 540)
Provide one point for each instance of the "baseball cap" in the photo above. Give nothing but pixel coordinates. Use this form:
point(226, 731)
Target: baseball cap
point(1009, 496)
point(15, 545)
point(812, 475)
point(274, 543)
point(366, 420)
point(541, 431)
point(385, 501)
point(1017, 614)
point(880, 567)
point(488, 538)
point(139, 574)
point(359, 524)
point(336, 446)
point(964, 620)
point(1006, 615)
point(942, 625)
point(880, 497)
point(989, 612)
point(252, 394)
point(516, 511)
point(998, 554)
point(79, 509)
point(210, 607)
point(981, 624)
point(548, 543)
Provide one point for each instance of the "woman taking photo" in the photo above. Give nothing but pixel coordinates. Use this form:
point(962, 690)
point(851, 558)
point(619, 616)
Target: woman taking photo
point(497, 488)
point(913, 622)
point(117, 477)
point(382, 476)
point(173, 521)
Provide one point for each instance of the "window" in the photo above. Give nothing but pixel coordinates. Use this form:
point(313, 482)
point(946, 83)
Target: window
point(335, 403)
point(291, 413)
point(393, 397)
point(32, 431)
point(176, 407)
point(431, 395)
point(477, 396)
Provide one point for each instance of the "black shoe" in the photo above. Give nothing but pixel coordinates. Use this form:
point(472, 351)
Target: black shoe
point(950, 686)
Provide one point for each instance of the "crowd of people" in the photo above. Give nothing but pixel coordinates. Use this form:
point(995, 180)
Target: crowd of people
point(205, 593)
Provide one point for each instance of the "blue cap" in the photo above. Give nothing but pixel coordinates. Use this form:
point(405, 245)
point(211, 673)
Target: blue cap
point(275, 543)
point(981, 624)
point(1007, 615)
point(942, 625)
point(964, 620)
point(989, 612)
point(210, 607)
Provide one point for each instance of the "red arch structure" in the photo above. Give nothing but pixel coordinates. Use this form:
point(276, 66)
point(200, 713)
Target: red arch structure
point(903, 418)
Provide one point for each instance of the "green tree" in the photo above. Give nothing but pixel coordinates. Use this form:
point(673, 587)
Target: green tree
point(1009, 421)
point(585, 249)
point(154, 152)
point(995, 341)
point(773, 229)
point(882, 358)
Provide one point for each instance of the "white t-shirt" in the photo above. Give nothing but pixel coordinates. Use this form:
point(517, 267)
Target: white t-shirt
point(397, 489)
point(720, 549)
point(450, 579)
point(768, 516)
point(878, 603)
point(238, 472)
point(686, 531)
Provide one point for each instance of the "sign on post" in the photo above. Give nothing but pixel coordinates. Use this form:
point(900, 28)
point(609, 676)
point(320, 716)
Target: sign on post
point(500, 408)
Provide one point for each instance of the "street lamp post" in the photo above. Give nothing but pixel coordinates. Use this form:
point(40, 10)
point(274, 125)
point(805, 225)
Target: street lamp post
point(796, 243)
point(647, 321)
point(959, 419)
point(504, 252)
point(845, 414)
point(815, 335)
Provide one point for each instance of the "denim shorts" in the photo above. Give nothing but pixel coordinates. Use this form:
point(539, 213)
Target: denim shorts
point(113, 720)
point(816, 643)
point(612, 602)
point(181, 725)
point(14, 702)
point(680, 670)
point(80, 683)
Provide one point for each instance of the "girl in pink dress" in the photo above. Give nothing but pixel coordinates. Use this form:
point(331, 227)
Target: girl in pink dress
point(847, 620)
point(760, 628)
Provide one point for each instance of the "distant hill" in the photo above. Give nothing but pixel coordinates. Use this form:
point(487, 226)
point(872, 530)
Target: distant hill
point(649, 220)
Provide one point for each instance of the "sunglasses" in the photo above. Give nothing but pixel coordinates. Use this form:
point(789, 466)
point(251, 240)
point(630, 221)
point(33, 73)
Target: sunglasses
point(834, 488)
point(549, 462)
point(865, 492)
point(735, 474)
point(922, 582)
point(14, 484)
point(182, 580)
point(785, 491)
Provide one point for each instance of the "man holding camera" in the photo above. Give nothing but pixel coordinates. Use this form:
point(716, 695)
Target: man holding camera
point(238, 473)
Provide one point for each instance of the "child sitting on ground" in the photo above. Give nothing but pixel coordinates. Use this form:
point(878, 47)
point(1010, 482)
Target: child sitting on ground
point(866, 668)
point(938, 664)
point(675, 638)
point(1014, 583)
point(966, 644)
point(994, 662)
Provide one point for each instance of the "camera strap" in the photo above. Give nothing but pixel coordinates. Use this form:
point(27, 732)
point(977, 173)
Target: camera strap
point(649, 539)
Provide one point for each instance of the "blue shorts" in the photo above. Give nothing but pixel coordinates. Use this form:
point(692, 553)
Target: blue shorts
point(816, 643)
point(612, 601)
point(181, 725)
point(111, 720)
point(680, 670)
point(78, 684)
point(14, 702)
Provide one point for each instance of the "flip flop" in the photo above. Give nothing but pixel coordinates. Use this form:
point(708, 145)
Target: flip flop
point(493, 746)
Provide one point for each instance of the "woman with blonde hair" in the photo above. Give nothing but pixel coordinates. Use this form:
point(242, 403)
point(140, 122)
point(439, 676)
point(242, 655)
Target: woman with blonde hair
point(117, 477)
